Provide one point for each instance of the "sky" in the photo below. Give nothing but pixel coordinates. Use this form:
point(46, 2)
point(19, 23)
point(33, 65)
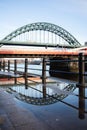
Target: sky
point(68, 14)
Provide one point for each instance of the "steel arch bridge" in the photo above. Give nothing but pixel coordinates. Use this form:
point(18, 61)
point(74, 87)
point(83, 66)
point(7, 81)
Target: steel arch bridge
point(44, 26)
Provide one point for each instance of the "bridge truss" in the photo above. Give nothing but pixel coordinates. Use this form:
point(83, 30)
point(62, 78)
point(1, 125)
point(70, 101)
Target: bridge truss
point(42, 33)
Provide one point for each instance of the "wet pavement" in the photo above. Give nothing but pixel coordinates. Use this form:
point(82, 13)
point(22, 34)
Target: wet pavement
point(15, 117)
point(18, 115)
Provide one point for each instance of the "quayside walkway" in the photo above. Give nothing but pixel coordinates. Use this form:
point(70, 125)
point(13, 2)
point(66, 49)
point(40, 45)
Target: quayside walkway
point(15, 117)
point(18, 115)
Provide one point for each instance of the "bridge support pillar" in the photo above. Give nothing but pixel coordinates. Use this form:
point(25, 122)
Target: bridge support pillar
point(44, 77)
point(15, 71)
point(26, 68)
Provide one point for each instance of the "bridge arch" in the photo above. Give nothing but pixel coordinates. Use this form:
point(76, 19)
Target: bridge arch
point(71, 40)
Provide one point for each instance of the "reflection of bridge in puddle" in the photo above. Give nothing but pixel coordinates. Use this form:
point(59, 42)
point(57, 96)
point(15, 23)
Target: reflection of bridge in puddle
point(54, 92)
point(34, 93)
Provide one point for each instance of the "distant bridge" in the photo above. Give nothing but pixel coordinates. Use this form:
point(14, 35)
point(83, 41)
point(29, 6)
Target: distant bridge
point(41, 34)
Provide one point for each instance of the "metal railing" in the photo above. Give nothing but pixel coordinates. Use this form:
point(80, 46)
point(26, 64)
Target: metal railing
point(81, 82)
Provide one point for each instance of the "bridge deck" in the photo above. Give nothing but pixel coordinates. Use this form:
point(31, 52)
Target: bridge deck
point(26, 52)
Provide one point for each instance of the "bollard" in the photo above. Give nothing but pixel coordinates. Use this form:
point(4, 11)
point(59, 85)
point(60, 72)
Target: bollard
point(44, 77)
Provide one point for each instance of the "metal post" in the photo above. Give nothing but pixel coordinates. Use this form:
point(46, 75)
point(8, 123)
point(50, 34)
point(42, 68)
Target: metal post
point(8, 65)
point(81, 86)
point(26, 68)
point(3, 65)
point(81, 69)
point(44, 77)
point(0, 65)
point(15, 71)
